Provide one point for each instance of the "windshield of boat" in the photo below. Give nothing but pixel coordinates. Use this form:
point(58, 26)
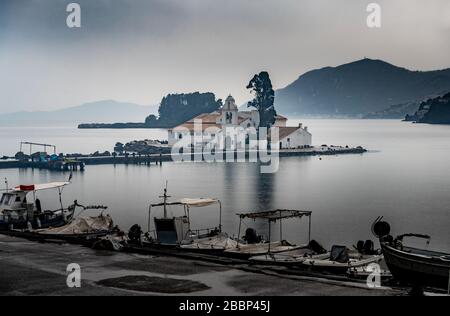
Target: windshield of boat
point(6, 199)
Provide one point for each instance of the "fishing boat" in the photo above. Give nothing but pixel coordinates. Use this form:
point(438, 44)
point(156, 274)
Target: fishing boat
point(286, 258)
point(214, 244)
point(292, 257)
point(80, 230)
point(409, 265)
point(176, 232)
point(340, 260)
point(260, 249)
point(20, 211)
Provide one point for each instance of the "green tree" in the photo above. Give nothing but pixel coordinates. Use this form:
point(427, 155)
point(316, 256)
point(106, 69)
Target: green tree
point(151, 120)
point(264, 97)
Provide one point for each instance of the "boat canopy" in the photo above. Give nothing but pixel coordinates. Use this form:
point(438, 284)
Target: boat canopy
point(202, 202)
point(275, 215)
point(39, 187)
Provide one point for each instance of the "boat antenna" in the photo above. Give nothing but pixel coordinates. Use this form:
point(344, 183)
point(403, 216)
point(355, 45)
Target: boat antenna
point(60, 198)
point(165, 197)
point(60, 191)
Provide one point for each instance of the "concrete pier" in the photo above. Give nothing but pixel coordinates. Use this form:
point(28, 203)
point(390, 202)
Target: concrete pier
point(40, 269)
point(158, 159)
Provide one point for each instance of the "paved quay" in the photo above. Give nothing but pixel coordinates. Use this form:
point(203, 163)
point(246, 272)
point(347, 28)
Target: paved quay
point(30, 268)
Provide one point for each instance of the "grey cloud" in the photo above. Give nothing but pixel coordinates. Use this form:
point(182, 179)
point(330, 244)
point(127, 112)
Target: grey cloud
point(138, 50)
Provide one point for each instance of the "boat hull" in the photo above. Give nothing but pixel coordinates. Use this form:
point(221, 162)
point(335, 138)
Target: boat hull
point(58, 221)
point(81, 239)
point(321, 263)
point(416, 270)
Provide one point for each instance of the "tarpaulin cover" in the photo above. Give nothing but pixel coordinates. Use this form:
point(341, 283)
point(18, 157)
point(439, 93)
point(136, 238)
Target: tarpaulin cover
point(83, 225)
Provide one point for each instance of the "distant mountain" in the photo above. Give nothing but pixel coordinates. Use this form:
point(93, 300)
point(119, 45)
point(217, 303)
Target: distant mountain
point(358, 88)
point(432, 111)
point(104, 111)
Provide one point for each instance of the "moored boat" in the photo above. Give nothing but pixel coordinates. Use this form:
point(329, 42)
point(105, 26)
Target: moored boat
point(340, 260)
point(409, 265)
point(19, 211)
point(256, 246)
point(290, 258)
point(214, 244)
point(81, 230)
point(176, 231)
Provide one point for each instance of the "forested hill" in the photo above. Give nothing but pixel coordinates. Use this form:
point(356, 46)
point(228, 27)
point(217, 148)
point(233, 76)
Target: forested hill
point(175, 109)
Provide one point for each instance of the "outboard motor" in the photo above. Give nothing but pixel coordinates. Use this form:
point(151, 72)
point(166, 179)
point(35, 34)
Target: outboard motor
point(316, 247)
point(135, 233)
point(366, 248)
point(360, 246)
point(369, 248)
point(251, 237)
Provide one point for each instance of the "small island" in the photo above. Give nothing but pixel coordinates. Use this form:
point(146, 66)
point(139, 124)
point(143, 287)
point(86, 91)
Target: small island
point(174, 110)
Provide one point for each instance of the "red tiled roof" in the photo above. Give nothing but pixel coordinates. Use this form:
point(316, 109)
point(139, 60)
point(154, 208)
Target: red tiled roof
point(286, 131)
point(191, 126)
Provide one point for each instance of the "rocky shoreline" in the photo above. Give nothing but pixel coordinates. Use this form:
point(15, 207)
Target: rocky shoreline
point(432, 111)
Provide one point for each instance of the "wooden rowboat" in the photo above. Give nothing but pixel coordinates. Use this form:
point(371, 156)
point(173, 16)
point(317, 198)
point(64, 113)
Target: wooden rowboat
point(417, 267)
point(412, 266)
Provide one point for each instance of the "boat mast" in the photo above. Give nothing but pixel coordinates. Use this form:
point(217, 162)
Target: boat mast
point(165, 197)
point(309, 229)
point(60, 198)
point(6, 183)
point(281, 228)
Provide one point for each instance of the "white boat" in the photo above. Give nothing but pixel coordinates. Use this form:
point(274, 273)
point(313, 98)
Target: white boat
point(340, 260)
point(244, 250)
point(255, 247)
point(177, 232)
point(289, 258)
point(20, 208)
point(219, 243)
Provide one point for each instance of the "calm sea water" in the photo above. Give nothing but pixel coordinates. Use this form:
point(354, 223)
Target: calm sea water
point(405, 177)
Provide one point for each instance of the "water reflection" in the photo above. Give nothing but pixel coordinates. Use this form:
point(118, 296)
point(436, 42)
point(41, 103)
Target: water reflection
point(346, 193)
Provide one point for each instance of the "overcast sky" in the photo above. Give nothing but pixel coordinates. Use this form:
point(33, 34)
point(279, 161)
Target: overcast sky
point(138, 51)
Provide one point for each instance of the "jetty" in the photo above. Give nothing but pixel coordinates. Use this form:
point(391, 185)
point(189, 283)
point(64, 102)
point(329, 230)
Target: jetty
point(74, 162)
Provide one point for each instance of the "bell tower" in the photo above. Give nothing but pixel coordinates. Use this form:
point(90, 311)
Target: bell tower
point(230, 112)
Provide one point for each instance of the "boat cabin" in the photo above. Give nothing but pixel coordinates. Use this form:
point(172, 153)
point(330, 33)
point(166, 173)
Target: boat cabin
point(15, 205)
point(175, 230)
